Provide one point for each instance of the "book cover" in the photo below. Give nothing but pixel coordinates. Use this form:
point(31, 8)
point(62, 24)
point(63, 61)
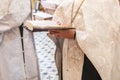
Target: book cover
point(45, 25)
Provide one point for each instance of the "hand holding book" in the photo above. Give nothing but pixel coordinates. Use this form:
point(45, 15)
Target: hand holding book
point(55, 29)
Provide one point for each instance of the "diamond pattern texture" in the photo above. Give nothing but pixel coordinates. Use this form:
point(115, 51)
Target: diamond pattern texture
point(45, 49)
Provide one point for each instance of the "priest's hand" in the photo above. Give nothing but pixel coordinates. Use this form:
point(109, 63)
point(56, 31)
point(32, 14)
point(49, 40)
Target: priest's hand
point(69, 34)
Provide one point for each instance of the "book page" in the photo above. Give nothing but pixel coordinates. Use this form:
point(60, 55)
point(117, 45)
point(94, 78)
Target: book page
point(42, 14)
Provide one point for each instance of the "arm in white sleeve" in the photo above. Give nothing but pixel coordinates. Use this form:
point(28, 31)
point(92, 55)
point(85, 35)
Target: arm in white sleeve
point(17, 13)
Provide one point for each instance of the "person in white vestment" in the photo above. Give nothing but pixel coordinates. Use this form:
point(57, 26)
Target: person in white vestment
point(16, 63)
point(97, 30)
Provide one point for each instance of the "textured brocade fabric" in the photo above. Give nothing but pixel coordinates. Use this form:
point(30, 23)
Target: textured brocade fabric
point(12, 64)
point(98, 35)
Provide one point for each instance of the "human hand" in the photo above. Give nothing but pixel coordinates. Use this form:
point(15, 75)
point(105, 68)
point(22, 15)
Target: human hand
point(70, 33)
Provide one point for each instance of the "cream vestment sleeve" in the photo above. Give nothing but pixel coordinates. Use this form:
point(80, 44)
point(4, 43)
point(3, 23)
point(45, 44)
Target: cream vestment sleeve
point(17, 12)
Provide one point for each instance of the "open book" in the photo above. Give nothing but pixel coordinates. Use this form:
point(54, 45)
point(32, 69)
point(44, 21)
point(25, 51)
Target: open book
point(45, 25)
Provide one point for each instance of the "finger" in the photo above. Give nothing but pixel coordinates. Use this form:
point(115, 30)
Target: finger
point(51, 32)
point(57, 36)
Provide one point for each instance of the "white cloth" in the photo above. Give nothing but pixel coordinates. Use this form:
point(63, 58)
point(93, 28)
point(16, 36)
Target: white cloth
point(98, 36)
point(12, 65)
